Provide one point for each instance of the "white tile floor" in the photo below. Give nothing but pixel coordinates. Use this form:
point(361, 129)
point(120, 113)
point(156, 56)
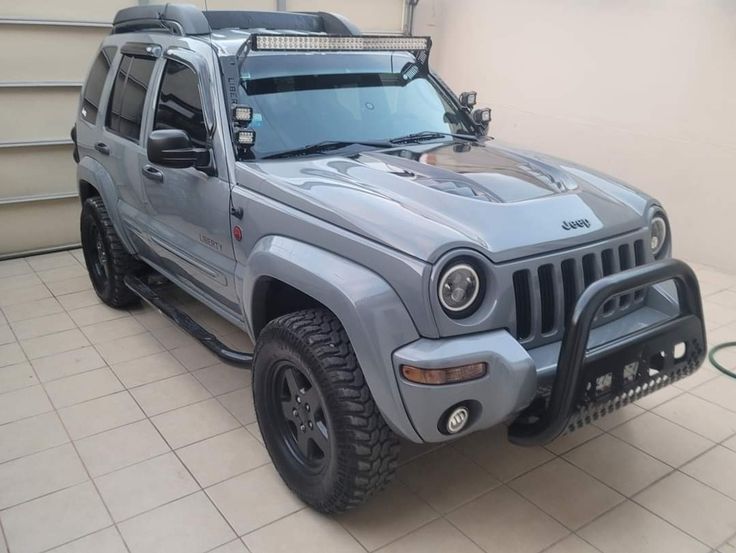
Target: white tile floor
point(118, 432)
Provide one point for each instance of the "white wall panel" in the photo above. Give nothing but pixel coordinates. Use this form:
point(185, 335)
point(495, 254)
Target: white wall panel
point(645, 91)
point(47, 53)
point(37, 225)
point(371, 15)
point(28, 114)
point(56, 44)
point(38, 170)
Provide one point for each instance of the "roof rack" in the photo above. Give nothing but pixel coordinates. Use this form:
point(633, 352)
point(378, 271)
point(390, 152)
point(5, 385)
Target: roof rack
point(188, 20)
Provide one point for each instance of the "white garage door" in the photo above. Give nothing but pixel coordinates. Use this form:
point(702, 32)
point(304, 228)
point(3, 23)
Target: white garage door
point(45, 51)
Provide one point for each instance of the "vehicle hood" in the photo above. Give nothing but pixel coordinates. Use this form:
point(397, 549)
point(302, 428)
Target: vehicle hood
point(426, 199)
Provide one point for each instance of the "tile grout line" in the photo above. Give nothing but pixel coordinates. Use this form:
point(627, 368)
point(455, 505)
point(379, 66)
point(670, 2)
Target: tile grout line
point(79, 458)
point(626, 498)
point(555, 455)
point(727, 542)
point(73, 444)
point(559, 457)
point(3, 536)
point(86, 470)
point(511, 490)
point(194, 479)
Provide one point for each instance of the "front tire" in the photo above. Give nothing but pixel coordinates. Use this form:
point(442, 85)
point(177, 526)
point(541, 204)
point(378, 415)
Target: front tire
point(318, 419)
point(105, 256)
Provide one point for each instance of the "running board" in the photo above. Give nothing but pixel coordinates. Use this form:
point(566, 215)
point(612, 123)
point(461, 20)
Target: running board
point(184, 321)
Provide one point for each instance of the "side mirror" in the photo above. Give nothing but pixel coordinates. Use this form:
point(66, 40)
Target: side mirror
point(173, 148)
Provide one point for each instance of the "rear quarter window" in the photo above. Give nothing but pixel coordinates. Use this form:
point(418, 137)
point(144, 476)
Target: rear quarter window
point(125, 109)
point(95, 83)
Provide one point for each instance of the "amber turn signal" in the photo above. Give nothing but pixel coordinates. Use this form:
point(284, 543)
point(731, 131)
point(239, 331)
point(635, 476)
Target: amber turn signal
point(444, 376)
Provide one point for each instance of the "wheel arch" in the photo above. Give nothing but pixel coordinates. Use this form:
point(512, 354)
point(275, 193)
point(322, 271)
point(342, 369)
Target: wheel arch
point(87, 190)
point(374, 318)
point(272, 297)
point(94, 180)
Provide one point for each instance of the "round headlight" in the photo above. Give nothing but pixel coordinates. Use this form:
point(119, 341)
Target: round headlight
point(459, 289)
point(658, 234)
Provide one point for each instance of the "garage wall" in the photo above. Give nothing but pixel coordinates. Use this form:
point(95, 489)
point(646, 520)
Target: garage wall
point(645, 91)
point(45, 52)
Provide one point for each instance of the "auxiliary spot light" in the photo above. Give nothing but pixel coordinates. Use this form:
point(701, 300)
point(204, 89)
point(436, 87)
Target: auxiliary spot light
point(482, 116)
point(243, 114)
point(469, 99)
point(246, 138)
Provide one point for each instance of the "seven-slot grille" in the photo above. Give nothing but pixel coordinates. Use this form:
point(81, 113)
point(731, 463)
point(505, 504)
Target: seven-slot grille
point(545, 295)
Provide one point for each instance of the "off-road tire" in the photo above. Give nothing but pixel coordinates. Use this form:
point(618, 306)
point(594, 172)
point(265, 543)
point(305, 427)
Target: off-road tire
point(363, 449)
point(117, 262)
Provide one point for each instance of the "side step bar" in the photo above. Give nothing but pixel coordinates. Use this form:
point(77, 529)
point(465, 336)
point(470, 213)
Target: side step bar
point(184, 321)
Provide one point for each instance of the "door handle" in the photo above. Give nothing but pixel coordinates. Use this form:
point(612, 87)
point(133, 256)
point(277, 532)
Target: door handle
point(102, 148)
point(150, 172)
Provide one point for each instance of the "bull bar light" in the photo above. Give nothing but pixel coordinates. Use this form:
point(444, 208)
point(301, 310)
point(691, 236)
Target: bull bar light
point(335, 43)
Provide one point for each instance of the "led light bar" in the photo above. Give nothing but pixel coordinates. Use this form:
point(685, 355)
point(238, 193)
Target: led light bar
point(338, 43)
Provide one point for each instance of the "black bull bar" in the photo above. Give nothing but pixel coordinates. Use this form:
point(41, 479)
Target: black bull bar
point(592, 382)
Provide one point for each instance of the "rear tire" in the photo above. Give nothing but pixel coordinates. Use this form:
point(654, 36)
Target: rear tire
point(105, 255)
point(318, 419)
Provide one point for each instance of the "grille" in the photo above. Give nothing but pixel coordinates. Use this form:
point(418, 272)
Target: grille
point(545, 295)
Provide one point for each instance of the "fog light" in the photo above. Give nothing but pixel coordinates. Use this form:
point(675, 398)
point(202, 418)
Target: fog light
point(457, 419)
point(449, 375)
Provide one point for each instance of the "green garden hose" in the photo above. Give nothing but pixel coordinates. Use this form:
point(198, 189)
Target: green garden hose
point(712, 358)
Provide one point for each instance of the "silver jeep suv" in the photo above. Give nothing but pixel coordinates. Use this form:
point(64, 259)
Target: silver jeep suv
point(400, 273)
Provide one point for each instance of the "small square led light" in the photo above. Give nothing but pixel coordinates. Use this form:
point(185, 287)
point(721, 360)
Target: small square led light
point(469, 99)
point(243, 114)
point(482, 116)
point(246, 138)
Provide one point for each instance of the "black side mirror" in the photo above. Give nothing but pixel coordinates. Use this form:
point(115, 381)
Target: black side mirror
point(173, 148)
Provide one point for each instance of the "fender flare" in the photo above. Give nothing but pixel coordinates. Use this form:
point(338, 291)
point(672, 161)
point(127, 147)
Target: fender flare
point(371, 312)
point(93, 172)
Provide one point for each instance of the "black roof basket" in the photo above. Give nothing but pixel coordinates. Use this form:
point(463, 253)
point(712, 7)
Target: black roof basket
point(187, 20)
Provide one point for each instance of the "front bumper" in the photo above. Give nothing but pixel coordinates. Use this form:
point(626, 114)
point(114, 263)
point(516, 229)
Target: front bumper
point(562, 386)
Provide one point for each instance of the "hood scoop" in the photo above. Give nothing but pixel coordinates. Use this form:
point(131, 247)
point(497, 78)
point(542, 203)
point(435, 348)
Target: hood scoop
point(473, 171)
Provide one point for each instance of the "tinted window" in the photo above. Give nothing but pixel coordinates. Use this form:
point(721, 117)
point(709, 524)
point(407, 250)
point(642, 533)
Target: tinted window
point(303, 99)
point(125, 111)
point(95, 83)
point(179, 103)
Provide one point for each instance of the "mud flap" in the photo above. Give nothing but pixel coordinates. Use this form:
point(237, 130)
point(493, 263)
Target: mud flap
point(590, 383)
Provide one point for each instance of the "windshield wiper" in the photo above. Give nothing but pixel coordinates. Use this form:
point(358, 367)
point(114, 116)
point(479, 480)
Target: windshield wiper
point(430, 135)
point(326, 146)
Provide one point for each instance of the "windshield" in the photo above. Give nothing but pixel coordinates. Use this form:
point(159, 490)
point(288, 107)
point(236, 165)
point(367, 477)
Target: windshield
point(301, 99)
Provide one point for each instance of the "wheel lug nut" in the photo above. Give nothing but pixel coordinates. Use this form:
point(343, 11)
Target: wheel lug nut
point(303, 428)
point(311, 425)
point(298, 399)
point(306, 406)
point(294, 412)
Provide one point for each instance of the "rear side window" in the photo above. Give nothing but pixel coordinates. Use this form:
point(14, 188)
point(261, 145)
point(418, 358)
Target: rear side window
point(125, 109)
point(95, 82)
point(179, 103)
